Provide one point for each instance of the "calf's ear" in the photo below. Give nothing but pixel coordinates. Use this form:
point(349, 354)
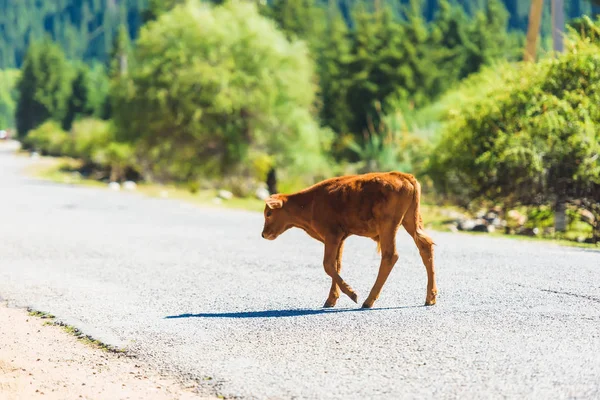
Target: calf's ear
point(274, 202)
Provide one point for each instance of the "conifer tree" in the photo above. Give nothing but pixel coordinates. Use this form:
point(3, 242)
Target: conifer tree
point(44, 86)
point(78, 103)
point(332, 69)
point(450, 44)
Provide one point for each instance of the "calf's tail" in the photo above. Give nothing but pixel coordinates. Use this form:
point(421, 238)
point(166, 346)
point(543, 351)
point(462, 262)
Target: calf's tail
point(419, 234)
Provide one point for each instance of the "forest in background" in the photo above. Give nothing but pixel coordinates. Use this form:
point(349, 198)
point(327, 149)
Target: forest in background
point(85, 29)
point(226, 93)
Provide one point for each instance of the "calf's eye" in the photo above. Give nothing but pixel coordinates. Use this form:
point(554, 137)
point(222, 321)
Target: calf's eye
point(268, 213)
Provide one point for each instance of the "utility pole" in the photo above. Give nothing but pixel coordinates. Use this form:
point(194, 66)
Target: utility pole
point(558, 25)
point(533, 29)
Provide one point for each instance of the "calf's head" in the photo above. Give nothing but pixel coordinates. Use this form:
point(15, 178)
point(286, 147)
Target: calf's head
point(277, 218)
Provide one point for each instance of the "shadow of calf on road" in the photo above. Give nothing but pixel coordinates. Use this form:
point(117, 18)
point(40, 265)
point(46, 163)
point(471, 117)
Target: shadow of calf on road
point(284, 313)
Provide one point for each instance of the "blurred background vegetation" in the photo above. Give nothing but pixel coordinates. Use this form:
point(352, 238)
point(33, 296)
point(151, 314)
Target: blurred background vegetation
point(243, 94)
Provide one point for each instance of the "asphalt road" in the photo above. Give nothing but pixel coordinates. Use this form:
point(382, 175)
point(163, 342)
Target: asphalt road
point(198, 293)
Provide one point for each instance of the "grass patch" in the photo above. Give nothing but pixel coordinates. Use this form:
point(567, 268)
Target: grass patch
point(63, 170)
point(557, 241)
point(39, 314)
point(86, 339)
point(435, 217)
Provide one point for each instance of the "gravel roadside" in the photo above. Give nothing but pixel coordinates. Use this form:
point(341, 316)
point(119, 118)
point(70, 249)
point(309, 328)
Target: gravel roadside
point(41, 360)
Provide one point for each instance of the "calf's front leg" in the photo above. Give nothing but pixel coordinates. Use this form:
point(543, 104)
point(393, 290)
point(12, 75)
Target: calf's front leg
point(334, 292)
point(332, 247)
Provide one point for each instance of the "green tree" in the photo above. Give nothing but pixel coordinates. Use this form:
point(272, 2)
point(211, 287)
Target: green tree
point(78, 104)
point(99, 83)
point(490, 37)
point(530, 135)
point(300, 19)
point(120, 54)
point(44, 86)
point(333, 77)
point(419, 69)
point(8, 97)
point(450, 44)
point(83, 28)
point(373, 67)
point(209, 84)
point(158, 7)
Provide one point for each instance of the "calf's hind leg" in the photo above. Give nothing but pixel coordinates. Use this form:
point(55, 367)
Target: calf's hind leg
point(389, 257)
point(425, 246)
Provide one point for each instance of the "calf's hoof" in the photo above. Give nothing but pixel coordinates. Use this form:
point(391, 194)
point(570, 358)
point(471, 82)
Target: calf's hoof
point(430, 302)
point(354, 297)
point(367, 304)
point(430, 299)
point(329, 304)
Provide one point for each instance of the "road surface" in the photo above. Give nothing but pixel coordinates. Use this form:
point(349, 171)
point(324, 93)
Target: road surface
point(198, 293)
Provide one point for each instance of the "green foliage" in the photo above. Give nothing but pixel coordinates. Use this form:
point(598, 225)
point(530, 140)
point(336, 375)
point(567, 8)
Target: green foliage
point(585, 27)
point(462, 46)
point(540, 217)
point(48, 139)
point(401, 63)
point(98, 87)
point(88, 137)
point(118, 63)
point(78, 103)
point(118, 156)
point(332, 65)
point(84, 29)
point(302, 19)
point(8, 97)
point(44, 86)
point(209, 84)
point(390, 146)
point(158, 7)
point(90, 140)
point(531, 137)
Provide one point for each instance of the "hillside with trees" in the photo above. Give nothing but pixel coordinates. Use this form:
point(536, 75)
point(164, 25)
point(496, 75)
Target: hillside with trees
point(235, 93)
point(85, 29)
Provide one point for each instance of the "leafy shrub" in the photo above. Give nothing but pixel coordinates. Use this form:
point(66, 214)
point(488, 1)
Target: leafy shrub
point(390, 146)
point(530, 137)
point(48, 139)
point(89, 136)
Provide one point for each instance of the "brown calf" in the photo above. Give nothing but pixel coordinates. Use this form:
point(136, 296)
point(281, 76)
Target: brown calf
point(371, 205)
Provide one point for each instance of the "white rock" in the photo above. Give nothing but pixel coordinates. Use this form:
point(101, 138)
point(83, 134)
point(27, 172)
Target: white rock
point(35, 155)
point(217, 200)
point(225, 194)
point(261, 193)
point(114, 186)
point(466, 225)
point(129, 185)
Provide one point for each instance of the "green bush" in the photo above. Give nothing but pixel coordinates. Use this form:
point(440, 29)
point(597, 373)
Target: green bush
point(88, 137)
point(530, 136)
point(119, 157)
point(48, 139)
point(391, 145)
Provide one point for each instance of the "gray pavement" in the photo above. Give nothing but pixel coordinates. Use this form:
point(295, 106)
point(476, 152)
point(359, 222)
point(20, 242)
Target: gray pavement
point(199, 294)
